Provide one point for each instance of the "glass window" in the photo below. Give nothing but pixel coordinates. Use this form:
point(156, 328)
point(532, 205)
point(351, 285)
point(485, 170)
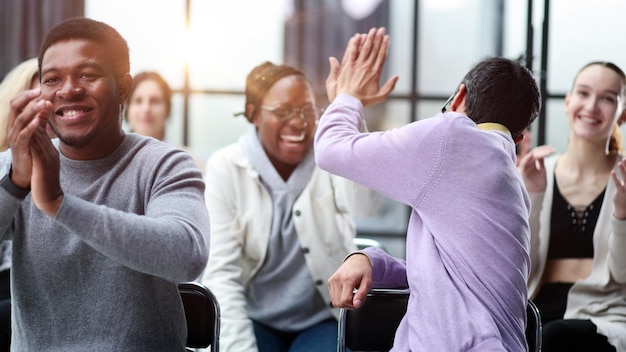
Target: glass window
point(224, 40)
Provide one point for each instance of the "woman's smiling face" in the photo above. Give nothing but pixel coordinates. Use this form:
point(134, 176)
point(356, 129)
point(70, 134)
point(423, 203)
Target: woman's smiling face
point(147, 109)
point(287, 140)
point(592, 105)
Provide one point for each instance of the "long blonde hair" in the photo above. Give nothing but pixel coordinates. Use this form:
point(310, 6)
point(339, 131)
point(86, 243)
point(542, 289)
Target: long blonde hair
point(16, 81)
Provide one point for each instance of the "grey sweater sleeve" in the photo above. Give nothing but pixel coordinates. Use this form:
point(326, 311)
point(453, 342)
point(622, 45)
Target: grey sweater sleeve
point(146, 211)
point(11, 198)
point(9, 205)
point(101, 275)
point(143, 207)
point(169, 242)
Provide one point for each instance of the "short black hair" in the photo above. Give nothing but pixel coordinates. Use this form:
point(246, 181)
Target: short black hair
point(503, 91)
point(86, 28)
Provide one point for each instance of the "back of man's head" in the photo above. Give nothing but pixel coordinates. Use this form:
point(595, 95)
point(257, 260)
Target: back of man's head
point(100, 32)
point(502, 91)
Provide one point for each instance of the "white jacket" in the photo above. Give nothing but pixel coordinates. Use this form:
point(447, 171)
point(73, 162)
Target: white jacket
point(601, 296)
point(240, 209)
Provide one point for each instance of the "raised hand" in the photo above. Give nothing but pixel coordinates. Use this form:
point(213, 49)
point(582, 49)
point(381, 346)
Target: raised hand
point(27, 114)
point(361, 68)
point(355, 272)
point(531, 166)
point(619, 198)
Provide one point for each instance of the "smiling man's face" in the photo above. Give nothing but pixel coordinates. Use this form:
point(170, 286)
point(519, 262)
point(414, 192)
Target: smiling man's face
point(78, 78)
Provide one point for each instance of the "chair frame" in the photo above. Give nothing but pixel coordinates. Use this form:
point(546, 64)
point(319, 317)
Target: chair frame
point(396, 299)
point(201, 308)
point(391, 316)
point(364, 242)
point(534, 328)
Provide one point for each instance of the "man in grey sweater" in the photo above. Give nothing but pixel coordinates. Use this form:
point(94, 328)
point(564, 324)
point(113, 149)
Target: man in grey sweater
point(104, 224)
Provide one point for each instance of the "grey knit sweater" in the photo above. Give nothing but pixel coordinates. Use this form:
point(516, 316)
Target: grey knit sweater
point(102, 275)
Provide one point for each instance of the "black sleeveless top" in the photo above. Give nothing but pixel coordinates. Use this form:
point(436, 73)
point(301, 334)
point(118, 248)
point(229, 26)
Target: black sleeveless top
point(571, 231)
point(571, 236)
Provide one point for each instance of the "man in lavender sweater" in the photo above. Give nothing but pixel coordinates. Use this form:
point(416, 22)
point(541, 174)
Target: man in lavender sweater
point(467, 256)
point(104, 224)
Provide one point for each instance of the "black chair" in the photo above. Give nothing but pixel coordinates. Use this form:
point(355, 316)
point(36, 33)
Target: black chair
point(202, 313)
point(533, 327)
point(373, 326)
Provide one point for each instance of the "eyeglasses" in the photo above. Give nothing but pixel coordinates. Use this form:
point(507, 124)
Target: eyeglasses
point(285, 114)
point(445, 105)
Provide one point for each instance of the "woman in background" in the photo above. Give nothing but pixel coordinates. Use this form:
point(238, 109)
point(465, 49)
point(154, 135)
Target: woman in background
point(280, 226)
point(149, 106)
point(22, 77)
point(578, 220)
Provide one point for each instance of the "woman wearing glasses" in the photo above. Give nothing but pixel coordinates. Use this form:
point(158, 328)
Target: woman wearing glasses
point(280, 226)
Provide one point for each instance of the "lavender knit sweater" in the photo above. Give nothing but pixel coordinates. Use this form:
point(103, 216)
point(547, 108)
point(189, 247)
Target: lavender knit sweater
point(467, 256)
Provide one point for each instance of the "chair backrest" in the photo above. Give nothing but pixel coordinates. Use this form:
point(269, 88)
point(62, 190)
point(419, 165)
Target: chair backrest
point(373, 326)
point(202, 313)
point(533, 327)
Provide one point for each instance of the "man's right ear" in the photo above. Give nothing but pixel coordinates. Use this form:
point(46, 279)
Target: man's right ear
point(124, 83)
point(459, 98)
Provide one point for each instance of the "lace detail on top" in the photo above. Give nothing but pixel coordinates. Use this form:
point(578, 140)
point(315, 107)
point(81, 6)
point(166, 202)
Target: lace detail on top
point(571, 228)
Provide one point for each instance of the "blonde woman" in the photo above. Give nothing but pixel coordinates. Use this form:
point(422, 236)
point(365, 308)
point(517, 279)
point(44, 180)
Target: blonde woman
point(22, 77)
